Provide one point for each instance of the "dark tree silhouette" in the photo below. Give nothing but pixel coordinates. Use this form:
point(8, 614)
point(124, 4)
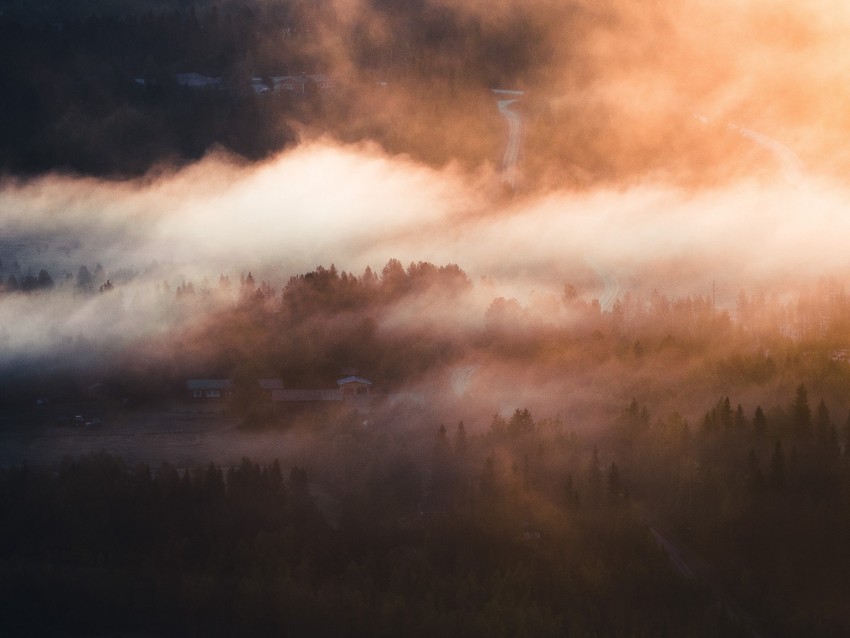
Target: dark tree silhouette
point(759, 423)
point(777, 478)
point(801, 413)
point(85, 281)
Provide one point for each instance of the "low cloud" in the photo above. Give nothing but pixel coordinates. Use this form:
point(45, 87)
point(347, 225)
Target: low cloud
point(677, 146)
point(357, 206)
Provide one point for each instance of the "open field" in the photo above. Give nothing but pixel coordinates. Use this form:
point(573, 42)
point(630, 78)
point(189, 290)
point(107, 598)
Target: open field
point(181, 434)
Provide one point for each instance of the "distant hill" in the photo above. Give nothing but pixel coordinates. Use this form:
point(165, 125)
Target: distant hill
point(59, 10)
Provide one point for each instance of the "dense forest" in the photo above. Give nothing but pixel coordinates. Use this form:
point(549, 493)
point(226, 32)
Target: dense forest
point(409, 327)
point(525, 528)
point(542, 450)
point(713, 503)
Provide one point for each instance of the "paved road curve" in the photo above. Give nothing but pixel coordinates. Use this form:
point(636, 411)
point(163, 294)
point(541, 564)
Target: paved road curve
point(509, 161)
point(611, 285)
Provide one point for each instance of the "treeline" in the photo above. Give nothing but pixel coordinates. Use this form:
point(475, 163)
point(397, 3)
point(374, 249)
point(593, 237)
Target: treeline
point(761, 495)
point(524, 527)
point(28, 282)
point(325, 290)
point(328, 320)
point(85, 281)
point(518, 531)
point(400, 324)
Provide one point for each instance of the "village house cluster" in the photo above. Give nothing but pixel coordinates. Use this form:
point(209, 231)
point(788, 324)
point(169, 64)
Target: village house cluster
point(301, 84)
point(350, 389)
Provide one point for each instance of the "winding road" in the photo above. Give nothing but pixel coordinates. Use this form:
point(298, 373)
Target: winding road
point(611, 283)
point(792, 165)
point(511, 157)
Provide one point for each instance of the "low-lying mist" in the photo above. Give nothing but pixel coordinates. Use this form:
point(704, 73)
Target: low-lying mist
point(515, 294)
point(651, 166)
point(354, 205)
point(549, 272)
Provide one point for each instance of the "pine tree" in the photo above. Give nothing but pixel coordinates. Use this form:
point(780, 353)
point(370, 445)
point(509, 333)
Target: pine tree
point(755, 478)
point(595, 474)
point(615, 485)
point(777, 468)
point(724, 413)
point(571, 494)
point(801, 413)
point(84, 279)
point(847, 437)
point(460, 440)
point(441, 447)
point(708, 422)
point(44, 279)
point(822, 421)
point(488, 477)
point(739, 421)
point(521, 422)
point(759, 422)
point(498, 426)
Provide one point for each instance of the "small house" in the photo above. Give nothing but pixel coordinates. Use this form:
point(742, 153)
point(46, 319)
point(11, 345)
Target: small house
point(350, 387)
point(197, 81)
point(209, 389)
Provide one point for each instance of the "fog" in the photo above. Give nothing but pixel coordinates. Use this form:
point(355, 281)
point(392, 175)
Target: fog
point(591, 257)
point(616, 94)
point(653, 156)
point(357, 206)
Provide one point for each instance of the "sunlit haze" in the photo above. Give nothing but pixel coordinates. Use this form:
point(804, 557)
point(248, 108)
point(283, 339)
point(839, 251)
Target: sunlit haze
point(425, 318)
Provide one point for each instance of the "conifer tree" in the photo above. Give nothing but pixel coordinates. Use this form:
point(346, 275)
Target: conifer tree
point(738, 419)
point(822, 421)
point(460, 440)
point(777, 468)
point(755, 478)
point(847, 437)
point(724, 413)
point(615, 486)
point(801, 413)
point(827, 438)
point(759, 422)
point(595, 474)
point(441, 447)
